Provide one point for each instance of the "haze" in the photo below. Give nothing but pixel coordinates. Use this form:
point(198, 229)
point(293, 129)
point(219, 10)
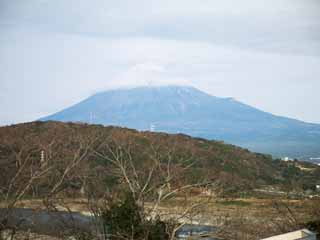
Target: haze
point(265, 53)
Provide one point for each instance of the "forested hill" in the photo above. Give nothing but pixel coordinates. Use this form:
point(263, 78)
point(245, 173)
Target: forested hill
point(231, 167)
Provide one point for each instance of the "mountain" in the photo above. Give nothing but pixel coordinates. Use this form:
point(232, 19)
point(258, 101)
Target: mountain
point(180, 109)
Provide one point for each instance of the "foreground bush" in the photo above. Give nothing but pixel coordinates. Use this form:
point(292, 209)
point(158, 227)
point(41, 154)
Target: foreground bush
point(126, 220)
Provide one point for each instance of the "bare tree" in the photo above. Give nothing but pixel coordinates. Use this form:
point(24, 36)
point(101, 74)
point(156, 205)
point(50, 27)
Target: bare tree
point(160, 179)
point(24, 174)
point(27, 172)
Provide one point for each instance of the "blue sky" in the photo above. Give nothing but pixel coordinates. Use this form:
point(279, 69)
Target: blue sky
point(265, 53)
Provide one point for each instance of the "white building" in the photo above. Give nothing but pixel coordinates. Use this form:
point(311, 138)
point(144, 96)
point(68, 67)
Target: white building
point(303, 234)
point(286, 159)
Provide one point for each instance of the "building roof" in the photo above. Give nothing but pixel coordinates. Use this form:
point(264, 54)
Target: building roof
point(303, 234)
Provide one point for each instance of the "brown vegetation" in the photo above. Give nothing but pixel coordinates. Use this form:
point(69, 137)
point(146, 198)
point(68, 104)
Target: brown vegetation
point(54, 161)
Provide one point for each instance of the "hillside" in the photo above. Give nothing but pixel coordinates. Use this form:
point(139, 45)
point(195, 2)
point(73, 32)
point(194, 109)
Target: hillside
point(232, 168)
point(176, 109)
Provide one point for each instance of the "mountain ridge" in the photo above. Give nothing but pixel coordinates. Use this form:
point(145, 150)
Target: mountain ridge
point(185, 109)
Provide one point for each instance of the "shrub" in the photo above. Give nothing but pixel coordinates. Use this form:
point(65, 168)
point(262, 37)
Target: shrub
point(126, 219)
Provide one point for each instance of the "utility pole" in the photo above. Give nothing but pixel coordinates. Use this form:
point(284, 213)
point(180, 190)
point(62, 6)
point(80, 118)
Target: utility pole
point(91, 118)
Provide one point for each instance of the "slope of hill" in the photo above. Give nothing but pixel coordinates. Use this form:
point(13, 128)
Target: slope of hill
point(233, 168)
point(176, 109)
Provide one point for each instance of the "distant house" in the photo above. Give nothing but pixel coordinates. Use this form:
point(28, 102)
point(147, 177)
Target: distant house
point(287, 159)
point(303, 234)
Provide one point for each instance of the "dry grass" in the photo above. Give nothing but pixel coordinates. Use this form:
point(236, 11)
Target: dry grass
point(247, 218)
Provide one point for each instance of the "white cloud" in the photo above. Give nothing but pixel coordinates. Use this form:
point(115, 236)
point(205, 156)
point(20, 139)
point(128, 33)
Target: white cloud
point(149, 74)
